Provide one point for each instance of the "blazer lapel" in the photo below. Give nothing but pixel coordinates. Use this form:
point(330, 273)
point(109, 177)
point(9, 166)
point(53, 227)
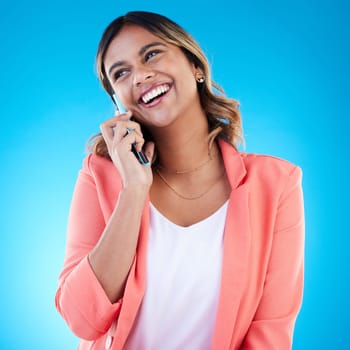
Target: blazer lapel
point(236, 249)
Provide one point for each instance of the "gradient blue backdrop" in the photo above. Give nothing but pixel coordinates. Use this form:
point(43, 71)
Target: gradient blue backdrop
point(287, 62)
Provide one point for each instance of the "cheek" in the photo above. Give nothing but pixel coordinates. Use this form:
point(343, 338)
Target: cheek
point(124, 95)
point(190, 86)
point(188, 80)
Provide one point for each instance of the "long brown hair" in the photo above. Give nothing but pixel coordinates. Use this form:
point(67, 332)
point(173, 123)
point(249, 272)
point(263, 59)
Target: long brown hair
point(216, 105)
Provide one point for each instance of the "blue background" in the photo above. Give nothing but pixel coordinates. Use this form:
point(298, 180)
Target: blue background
point(287, 62)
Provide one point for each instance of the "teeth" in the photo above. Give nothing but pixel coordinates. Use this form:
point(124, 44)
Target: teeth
point(154, 93)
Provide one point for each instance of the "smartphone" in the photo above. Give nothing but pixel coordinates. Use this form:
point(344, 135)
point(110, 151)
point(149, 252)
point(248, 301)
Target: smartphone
point(121, 109)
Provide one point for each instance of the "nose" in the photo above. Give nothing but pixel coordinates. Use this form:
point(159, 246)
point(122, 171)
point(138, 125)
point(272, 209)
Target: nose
point(142, 74)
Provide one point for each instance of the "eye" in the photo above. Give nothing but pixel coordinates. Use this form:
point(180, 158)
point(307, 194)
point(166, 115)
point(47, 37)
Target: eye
point(119, 73)
point(151, 54)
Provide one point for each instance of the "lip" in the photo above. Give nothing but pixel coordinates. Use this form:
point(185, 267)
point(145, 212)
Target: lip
point(158, 99)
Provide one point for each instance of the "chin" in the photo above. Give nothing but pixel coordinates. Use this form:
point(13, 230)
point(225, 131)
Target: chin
point(159, 124)
point(158, 120)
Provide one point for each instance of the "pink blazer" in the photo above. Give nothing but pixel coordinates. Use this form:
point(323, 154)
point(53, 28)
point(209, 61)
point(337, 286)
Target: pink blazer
point(262, 276)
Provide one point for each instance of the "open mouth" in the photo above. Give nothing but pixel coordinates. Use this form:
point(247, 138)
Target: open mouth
point(154, 94)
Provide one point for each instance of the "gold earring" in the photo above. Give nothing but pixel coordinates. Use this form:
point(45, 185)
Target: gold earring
point(200, 78)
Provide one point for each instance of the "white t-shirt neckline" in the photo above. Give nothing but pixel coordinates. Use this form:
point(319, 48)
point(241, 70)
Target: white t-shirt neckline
point(197, 225)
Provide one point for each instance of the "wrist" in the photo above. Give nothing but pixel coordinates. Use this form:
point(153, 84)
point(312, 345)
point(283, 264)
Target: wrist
point(135, 190)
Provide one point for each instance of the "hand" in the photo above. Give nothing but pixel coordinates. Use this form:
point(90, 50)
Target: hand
point(119, 143)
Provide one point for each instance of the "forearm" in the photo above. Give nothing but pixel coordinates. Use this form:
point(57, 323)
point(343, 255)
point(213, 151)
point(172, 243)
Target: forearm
point(114, 253)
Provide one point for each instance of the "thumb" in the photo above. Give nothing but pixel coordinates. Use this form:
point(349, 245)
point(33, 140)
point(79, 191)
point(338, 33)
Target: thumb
point(149, 150)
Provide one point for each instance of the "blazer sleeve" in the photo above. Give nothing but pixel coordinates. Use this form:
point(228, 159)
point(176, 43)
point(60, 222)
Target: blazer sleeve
point(80, 298)
point(273, 323)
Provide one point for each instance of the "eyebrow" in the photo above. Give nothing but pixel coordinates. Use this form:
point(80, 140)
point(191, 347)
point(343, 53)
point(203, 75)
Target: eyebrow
point(140, 53)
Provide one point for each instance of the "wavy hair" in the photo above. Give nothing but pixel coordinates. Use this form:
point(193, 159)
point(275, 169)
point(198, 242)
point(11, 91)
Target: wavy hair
point(215, 104)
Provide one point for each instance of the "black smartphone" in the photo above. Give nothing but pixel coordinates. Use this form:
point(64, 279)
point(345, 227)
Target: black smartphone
point(121, 109)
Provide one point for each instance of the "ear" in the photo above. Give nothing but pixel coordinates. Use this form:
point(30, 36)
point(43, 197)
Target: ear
point(199, 76)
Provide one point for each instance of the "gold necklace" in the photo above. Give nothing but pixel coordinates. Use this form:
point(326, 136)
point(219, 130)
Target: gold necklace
point(187, 171)
point(184, 197)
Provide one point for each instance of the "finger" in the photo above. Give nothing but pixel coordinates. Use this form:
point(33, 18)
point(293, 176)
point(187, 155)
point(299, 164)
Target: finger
point(112, 121)
point(123, 127)
point(114, 129)
point(107, 132)
point(124, 116)
point(129, 124)
point(132, 125)
point(133, 139)
point(149, 150)
point(121, 131)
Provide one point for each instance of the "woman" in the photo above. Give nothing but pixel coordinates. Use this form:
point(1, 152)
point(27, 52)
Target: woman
point(204, 248)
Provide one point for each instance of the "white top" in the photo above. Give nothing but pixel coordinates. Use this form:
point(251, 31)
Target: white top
point(183, 283)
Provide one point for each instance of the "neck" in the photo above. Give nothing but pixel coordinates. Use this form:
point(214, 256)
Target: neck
point(182, 148)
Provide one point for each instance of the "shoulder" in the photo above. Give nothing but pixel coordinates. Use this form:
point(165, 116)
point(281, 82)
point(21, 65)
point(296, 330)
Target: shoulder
point(268, 164)
point(93, 162)
point(258, 170)
point(99, 168)
point(270, 173)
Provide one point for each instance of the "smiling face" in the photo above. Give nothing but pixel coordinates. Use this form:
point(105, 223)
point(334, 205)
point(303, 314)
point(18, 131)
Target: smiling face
point(153, 79)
